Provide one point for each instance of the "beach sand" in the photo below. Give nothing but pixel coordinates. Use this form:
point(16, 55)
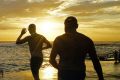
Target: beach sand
point(110, 70)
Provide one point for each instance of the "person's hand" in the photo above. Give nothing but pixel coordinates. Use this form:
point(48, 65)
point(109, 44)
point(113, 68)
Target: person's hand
point(23, 31)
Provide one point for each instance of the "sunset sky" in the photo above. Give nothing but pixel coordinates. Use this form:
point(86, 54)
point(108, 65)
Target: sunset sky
point(98, 19)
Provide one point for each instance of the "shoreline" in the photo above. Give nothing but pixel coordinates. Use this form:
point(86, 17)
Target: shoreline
point(110, 72)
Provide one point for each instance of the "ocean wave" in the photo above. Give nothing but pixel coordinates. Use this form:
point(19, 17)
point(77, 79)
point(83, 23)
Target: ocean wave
point(16, 57)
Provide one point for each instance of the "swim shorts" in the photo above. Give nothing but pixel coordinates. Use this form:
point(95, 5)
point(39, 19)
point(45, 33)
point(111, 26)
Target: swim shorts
point(35, 64)
point(71, 75)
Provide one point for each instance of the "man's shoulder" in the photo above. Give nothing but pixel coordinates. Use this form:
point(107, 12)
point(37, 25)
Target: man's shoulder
point(39, 35)
point(79, 35)
point(83, 36)
point(59, 37)
point(85, 39)
point(35, 36)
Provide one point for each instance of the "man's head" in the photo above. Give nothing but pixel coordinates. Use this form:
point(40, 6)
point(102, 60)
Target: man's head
point(70, 24)
point(32, 28)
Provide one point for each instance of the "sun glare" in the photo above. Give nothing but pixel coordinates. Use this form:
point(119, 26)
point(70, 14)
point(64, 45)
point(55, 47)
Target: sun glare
point(50, 24)
point(46, 26)
point(49, 72)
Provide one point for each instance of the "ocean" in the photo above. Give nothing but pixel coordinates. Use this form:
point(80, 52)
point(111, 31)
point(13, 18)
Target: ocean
point(15, 58)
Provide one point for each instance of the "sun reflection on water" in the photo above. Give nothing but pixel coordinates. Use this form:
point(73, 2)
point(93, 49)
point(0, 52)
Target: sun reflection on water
point(49, 73)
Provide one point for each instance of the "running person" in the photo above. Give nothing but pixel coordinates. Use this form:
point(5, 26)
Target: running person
point(35, 42)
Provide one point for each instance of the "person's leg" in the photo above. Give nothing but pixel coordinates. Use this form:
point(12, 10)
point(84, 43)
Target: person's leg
point(35, 66)
point(40, 61)
point(35, 74)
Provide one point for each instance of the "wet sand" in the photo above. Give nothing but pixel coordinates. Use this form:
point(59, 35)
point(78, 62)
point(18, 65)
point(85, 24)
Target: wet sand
point(110, 71)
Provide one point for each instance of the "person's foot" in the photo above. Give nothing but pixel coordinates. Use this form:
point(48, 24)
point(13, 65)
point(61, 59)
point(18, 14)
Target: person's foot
point(115, 62)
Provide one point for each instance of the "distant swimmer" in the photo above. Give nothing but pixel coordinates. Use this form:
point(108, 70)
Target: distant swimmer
point(119, 55)
point(116, 56)
point(35, 42)
point(72, 47)
point(1, 72)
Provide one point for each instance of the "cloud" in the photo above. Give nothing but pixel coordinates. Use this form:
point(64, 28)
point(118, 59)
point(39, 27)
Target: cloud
point(32, 1)
point(8, 27)
point(24, 8)
point(16, 23)
point(103, 24)
point(27, 8)
point(64, 4)
point(85, 10)
point(83, 6)
point(22, 12)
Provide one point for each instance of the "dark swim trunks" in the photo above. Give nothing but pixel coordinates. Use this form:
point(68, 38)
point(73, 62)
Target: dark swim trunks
point(71, 75)
point(35, 64)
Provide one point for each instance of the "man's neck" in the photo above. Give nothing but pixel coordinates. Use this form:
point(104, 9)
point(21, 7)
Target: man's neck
point(72, 31)
point(33, 33)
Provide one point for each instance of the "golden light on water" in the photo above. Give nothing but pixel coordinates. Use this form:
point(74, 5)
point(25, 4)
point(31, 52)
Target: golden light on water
point(49, 72)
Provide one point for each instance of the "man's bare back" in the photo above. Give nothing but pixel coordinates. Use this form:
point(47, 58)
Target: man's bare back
point(72, 48)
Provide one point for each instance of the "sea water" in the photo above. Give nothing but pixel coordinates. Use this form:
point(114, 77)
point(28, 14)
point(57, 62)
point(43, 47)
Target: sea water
point(15, 58)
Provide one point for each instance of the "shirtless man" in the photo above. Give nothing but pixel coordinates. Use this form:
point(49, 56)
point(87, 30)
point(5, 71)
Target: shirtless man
point(35, 42)
point(72, 48)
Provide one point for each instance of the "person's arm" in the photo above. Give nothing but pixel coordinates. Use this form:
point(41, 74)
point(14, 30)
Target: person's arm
point(95, 60)
point(19, 40)
point(53, 55)
point(48, 45)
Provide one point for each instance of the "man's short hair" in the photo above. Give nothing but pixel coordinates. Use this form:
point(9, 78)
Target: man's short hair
point(32, 26)
point(71, 21)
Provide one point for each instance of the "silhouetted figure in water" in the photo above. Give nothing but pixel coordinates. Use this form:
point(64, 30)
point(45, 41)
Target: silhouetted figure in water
point(116, 56)
point(1, 73)
point(72, 48)
point(35, 42)
point(119, 55)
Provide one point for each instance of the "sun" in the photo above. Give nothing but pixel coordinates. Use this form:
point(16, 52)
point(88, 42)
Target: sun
point(49, 28)
point(46, 26)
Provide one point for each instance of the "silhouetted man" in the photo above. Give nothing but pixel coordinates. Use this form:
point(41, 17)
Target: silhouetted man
point(35, 42)
point(72, 48)
point(116, 56)
point(119, 55)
